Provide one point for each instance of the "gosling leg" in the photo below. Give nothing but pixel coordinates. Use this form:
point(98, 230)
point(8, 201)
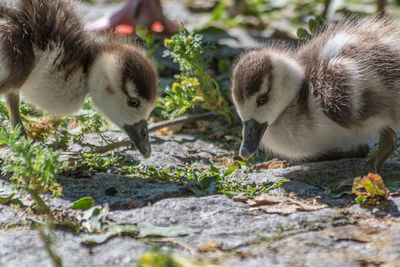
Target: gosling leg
point(387, 144)
point(13, 109)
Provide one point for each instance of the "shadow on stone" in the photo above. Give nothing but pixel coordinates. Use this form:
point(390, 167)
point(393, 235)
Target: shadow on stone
point(333, 181)
point(120, 192)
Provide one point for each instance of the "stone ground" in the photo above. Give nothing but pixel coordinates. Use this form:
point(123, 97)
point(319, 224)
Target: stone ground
point(331, 230)
point(338, 232)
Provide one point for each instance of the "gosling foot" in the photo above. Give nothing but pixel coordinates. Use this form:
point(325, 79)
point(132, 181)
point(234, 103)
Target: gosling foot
point(12, 101)
point(387, 144)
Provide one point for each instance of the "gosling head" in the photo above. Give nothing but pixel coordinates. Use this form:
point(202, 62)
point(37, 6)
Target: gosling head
point(123, 86)
point(264, 83)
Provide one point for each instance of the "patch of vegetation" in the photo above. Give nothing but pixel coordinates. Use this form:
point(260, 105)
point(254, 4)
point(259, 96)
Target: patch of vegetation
point(194, 85)
point(230, 182)
point(116, 163)
point(33, 167)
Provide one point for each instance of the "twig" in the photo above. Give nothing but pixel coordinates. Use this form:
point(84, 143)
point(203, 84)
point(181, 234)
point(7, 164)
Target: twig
point(154, 127)
point(326, 9)
point(46, 239)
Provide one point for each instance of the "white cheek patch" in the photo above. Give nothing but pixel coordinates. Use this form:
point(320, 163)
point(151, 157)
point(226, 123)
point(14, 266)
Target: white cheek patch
point(246, 110)
point(115, 108)
point(333, 46)
point(131, 89)
point(249, 109)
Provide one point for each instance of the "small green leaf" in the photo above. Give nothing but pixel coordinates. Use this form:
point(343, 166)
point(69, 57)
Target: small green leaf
point(360, 199)
point(215, 169)
point(313, 26)
point(230, 170)
point(83, 203)
point(303, 34)
point(6, 199)
point(142, 31)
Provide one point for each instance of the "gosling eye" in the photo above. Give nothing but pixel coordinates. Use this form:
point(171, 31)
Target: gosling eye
point(262, 100)
point(133, 102)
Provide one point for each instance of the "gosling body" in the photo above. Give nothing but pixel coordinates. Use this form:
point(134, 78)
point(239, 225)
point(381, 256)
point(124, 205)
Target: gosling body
point(327, 99)
point(47, 57)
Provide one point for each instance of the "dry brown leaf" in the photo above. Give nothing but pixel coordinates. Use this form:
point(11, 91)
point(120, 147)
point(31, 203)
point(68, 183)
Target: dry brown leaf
point(240, 198)
point(265, 199)
point(131, 203)
point(211, 245)
point(171, 130)
point(273, 164)
point(280, 204)
point(352, 232)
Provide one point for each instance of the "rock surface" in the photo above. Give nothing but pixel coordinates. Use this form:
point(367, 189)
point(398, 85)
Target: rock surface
point(228, 232)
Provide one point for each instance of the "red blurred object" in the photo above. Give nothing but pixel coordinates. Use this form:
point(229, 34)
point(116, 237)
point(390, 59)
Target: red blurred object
point(157, 27)
point(124, 29)
point(135, 12)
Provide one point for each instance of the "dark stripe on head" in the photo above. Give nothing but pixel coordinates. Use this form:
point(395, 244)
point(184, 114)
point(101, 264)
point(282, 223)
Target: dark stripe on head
point(249, 74)
point(139, 70)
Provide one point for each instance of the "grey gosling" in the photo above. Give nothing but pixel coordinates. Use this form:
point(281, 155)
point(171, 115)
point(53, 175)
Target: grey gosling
point(325, 100)
point(47, 57)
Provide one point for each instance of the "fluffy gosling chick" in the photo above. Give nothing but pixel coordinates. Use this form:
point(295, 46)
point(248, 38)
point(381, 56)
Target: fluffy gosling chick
point(46, 56)
point(327, 99)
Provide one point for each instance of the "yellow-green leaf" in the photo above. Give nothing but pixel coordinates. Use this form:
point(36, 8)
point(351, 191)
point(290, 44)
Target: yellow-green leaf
point(83, 203)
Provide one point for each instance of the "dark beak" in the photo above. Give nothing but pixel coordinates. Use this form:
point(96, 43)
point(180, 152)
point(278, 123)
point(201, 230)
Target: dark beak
point(139, 134)
point(253, 131)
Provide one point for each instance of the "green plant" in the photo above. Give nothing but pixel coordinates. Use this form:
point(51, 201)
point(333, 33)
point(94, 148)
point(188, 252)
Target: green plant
point(315, 26)
point(193, 84)
point(230, 182)
point(87, 121)
point(33, 167)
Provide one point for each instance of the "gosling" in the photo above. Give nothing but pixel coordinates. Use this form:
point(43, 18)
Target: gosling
point(326, 99)
point(47, 57)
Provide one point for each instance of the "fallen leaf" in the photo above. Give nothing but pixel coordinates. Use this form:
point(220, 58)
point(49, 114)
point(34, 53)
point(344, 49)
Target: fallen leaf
point(352, 232)
point(273, 164)
point(280, 204)
point(83, 203)
point(170, 130)
point(6, 199)
point(131, 203)
point(211, 245)
point(240, 198)
point(370, 189)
